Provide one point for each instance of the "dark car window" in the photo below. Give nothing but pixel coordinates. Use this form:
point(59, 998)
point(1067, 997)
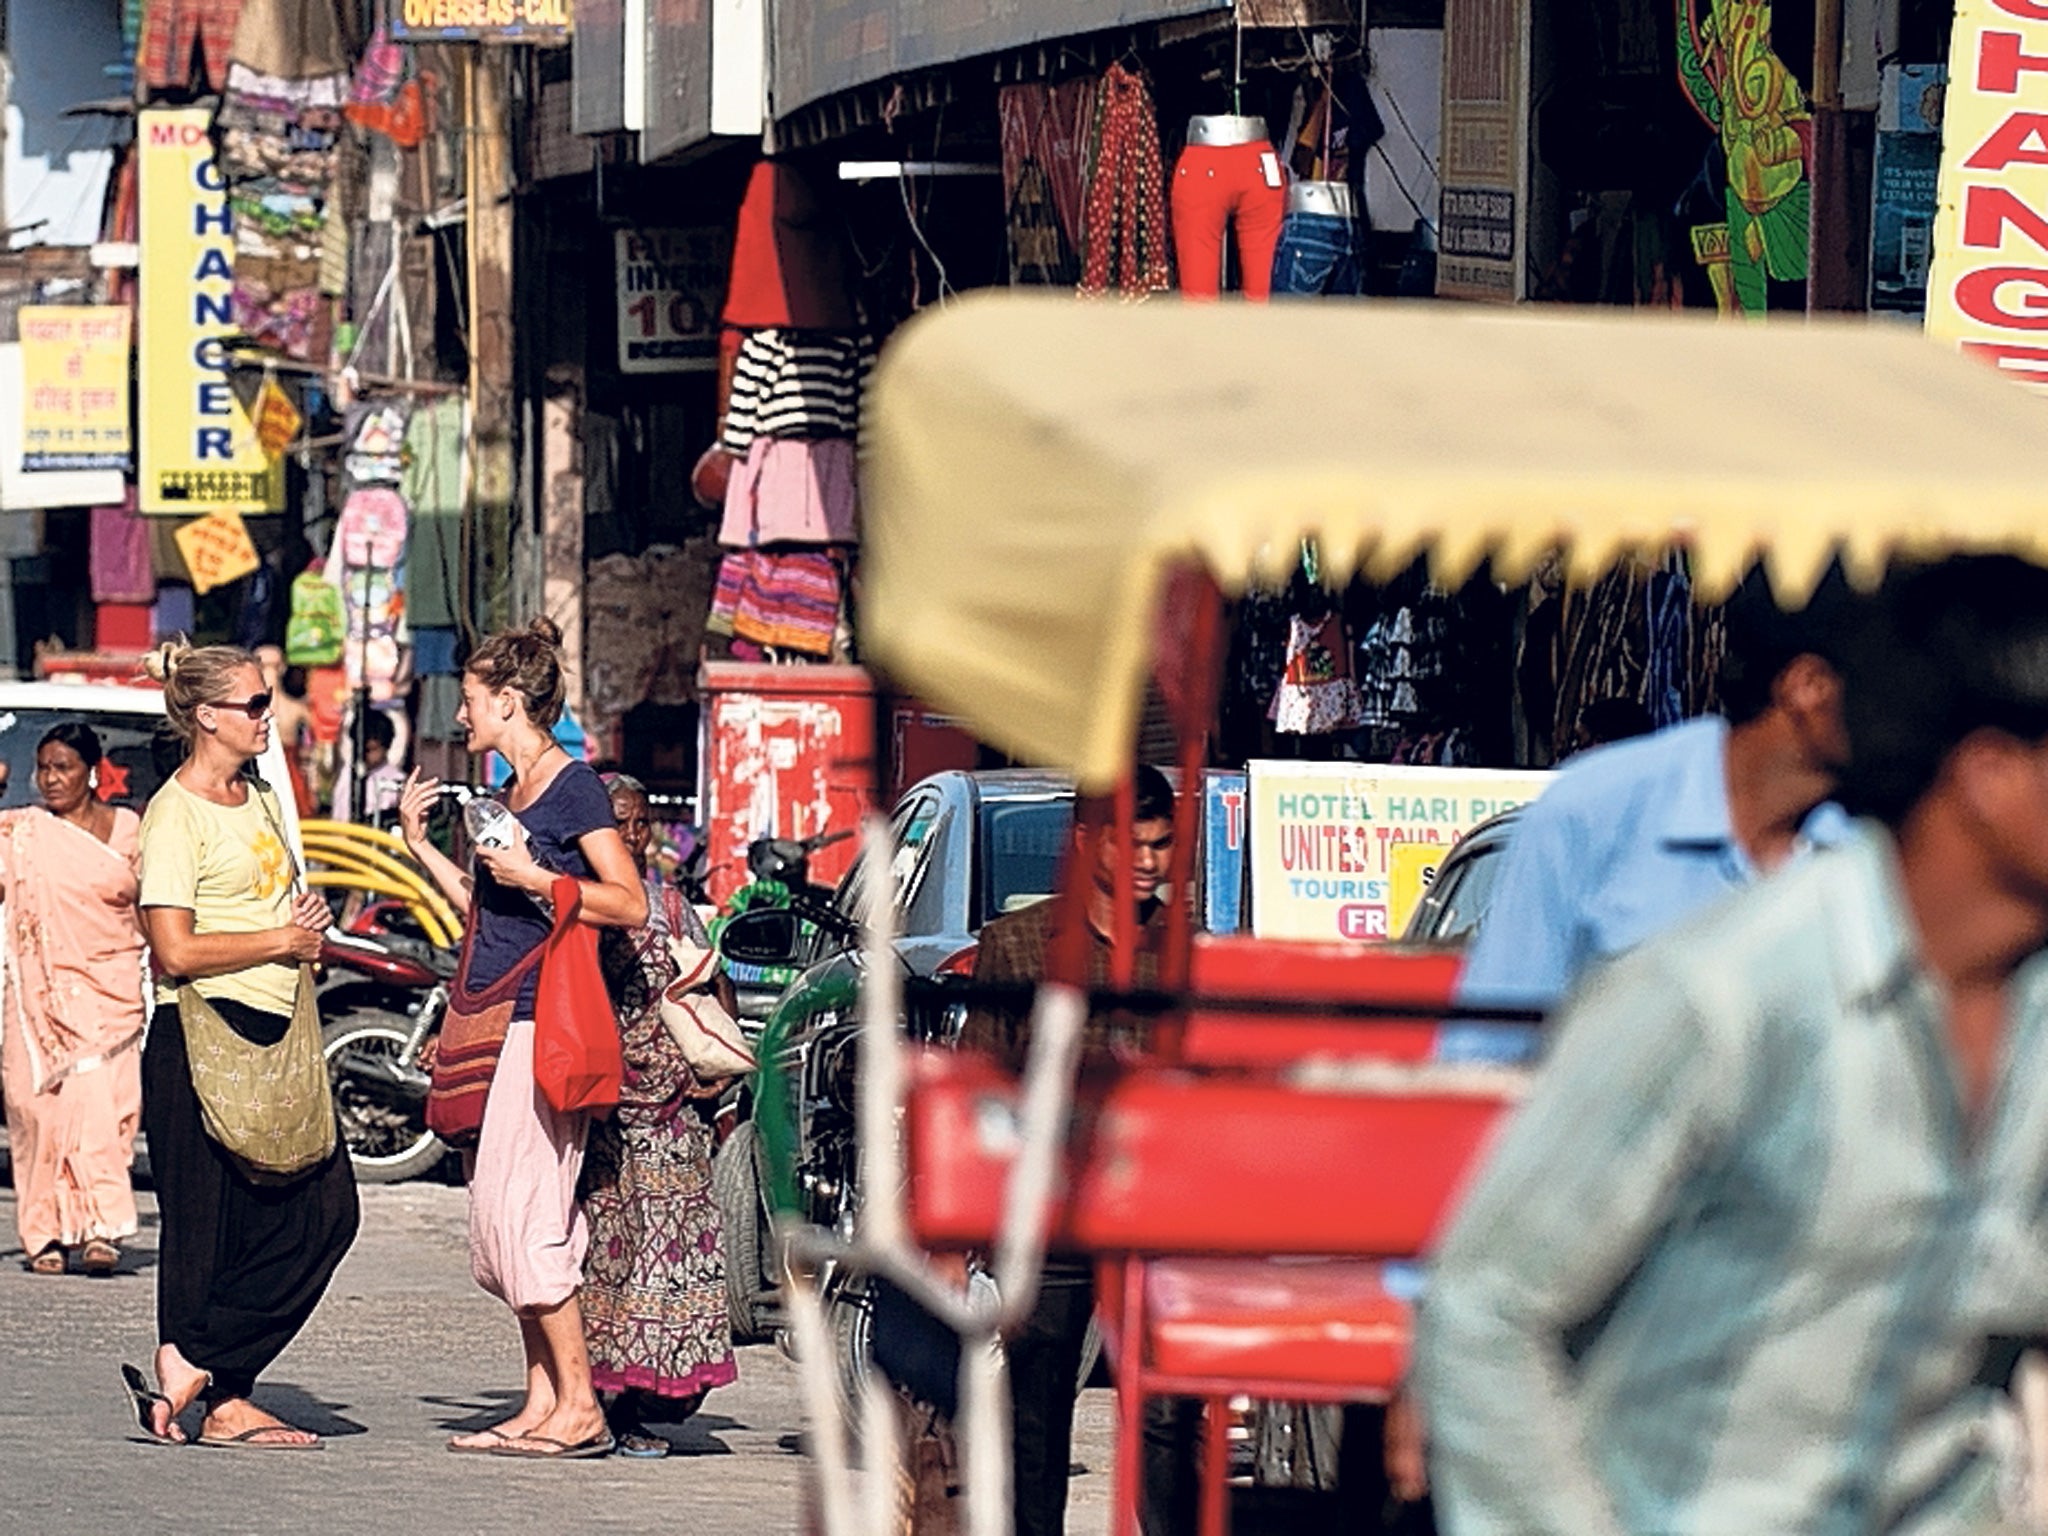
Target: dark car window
point(910, 829)
point(1021, 842)
point(128, 775)
point(1460, 895)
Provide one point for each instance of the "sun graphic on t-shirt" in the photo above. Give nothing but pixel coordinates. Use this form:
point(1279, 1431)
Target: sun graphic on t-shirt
point(272, 867)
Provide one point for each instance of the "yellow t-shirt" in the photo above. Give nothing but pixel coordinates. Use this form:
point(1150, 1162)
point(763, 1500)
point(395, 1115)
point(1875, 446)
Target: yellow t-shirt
point(227, 866)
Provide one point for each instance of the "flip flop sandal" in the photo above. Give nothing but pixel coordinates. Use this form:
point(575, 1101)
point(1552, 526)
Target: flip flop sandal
point(251, 1440)
point(528, 1448)
point(643, 1447)
point(100, 1257)
point(49, 1262)
point(493, 1431)
point(145, 1401)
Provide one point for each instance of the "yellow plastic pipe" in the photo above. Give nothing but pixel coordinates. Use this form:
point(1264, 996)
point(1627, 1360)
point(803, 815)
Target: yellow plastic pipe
point(375, 861)
point(349, 880)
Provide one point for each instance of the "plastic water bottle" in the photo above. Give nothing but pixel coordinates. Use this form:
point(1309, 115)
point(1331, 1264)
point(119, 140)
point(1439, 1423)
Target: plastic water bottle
point(490, 824)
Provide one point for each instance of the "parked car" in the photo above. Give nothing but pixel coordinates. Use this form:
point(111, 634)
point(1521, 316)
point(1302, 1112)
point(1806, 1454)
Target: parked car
point(132, 729)
point(1455, 905)
point(967, 847)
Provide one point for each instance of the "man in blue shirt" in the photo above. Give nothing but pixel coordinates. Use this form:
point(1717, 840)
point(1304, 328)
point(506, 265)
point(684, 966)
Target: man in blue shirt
point(1752, 1255)
point(1632, 838)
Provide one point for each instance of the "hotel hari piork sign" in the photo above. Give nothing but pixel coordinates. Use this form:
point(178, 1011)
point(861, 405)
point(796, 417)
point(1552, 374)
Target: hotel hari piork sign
point(1988, 292)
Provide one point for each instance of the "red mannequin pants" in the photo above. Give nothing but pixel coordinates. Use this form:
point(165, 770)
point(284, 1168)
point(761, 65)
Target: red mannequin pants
point(1222, 186)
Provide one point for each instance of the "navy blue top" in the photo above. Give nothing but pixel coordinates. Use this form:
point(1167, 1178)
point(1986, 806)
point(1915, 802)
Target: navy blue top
point(510, 924)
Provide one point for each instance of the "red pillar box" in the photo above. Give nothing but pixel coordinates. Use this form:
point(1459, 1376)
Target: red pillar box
point(786, 752)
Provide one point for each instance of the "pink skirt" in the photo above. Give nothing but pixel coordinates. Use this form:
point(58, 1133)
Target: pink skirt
point(527, 1235)
point(792, 490)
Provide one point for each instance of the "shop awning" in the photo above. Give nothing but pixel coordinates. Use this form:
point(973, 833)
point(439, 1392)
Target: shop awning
point(1037, 463)
point(821, 49)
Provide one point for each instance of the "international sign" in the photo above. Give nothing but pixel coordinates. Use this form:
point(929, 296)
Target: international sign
point(1346, 850)
point(74, 402)
point(502, 21)
point(1988, 292)
point(199, 450)
point(671, 284)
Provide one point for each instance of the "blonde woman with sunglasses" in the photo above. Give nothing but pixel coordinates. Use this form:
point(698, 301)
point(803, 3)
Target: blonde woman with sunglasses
point(242, 1261)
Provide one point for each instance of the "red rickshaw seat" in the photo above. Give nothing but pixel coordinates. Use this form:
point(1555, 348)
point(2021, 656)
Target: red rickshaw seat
point(1323, 1326)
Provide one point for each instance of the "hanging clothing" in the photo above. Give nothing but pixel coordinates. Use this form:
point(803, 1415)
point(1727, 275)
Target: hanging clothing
point(432, 487)
point(793, 491)
point(1045, 132)
point(795, 384)
point(1125, 224)
point(72, 1027)
point(643, 628)
point(653, 1298)
point(174, 30)
point(1317, 694)
point(788, 600)
point(788, 258)
point(1227, 187)
point(122, 571)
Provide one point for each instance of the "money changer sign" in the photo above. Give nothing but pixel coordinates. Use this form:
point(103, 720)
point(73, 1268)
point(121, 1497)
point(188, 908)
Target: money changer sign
point(1988, 293)
point(199, 450)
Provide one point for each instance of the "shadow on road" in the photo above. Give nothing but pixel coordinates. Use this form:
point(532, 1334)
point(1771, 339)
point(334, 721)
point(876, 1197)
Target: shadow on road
point(296, 1406)
point(478, 1411)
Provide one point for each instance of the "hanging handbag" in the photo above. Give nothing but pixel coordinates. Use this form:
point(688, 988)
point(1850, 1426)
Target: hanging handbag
point(472, 1038)
point(709, 1038)
point(577, 1057)
point(271, 1107)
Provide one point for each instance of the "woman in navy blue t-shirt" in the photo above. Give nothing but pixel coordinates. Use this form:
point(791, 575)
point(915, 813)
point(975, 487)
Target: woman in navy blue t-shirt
point(527, 1235)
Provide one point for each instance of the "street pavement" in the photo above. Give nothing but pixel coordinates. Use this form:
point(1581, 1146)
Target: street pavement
point(404, 1352)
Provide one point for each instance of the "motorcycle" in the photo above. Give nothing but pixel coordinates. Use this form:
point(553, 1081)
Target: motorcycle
point(780, 871)
point(381, 1004)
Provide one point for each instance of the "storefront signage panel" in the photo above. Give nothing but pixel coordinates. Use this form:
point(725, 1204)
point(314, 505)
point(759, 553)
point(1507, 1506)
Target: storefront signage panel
point(671, 283)
point(1903, 185)
point(74, 408)
point(199, 451)
point(1485, 150)
point(1347, 850)
point(483, 21)
point(823, 47)
point(1988, 292)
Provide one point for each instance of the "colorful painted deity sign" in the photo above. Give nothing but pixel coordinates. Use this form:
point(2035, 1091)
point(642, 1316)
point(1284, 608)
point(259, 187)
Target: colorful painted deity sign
point(1755, 105)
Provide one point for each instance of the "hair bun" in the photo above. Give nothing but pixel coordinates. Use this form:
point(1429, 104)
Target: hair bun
point(545, 630)
point(161, 664)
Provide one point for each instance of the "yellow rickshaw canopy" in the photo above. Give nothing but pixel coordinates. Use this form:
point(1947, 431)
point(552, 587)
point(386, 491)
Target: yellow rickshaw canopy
point(1036, 464)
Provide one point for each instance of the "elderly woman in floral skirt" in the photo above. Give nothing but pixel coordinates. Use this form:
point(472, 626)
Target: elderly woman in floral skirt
point(654, 1309)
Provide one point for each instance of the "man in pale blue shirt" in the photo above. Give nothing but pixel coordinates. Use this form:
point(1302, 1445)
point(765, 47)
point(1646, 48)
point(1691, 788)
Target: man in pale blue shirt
point(1632, 838)
point(1752, 1256)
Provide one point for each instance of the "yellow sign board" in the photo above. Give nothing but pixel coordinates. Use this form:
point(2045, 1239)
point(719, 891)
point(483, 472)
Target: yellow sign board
point(527, 21)
point(199, 450)
point(217, 550)
point(1345, 850)
point(277, 419)
point(74, 399)
point(1988, 291)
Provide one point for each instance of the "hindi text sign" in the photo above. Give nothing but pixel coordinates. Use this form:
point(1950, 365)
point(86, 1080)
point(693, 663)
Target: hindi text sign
point(74, 403)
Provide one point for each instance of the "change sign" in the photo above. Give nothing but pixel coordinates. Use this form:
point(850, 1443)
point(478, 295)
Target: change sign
point(1988, 293)
point(199, 450)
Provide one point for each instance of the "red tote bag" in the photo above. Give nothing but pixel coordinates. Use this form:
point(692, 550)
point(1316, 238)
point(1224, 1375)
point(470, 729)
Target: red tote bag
point(576, 1054)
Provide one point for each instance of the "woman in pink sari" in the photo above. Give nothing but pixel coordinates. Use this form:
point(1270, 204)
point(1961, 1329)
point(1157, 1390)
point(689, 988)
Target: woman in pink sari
point(71, 1024)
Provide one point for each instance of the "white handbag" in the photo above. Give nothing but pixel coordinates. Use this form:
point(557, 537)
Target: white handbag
point(708, 1036)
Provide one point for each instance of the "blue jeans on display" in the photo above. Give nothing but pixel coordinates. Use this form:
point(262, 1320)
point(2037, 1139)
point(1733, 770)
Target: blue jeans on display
point(1319, 253)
